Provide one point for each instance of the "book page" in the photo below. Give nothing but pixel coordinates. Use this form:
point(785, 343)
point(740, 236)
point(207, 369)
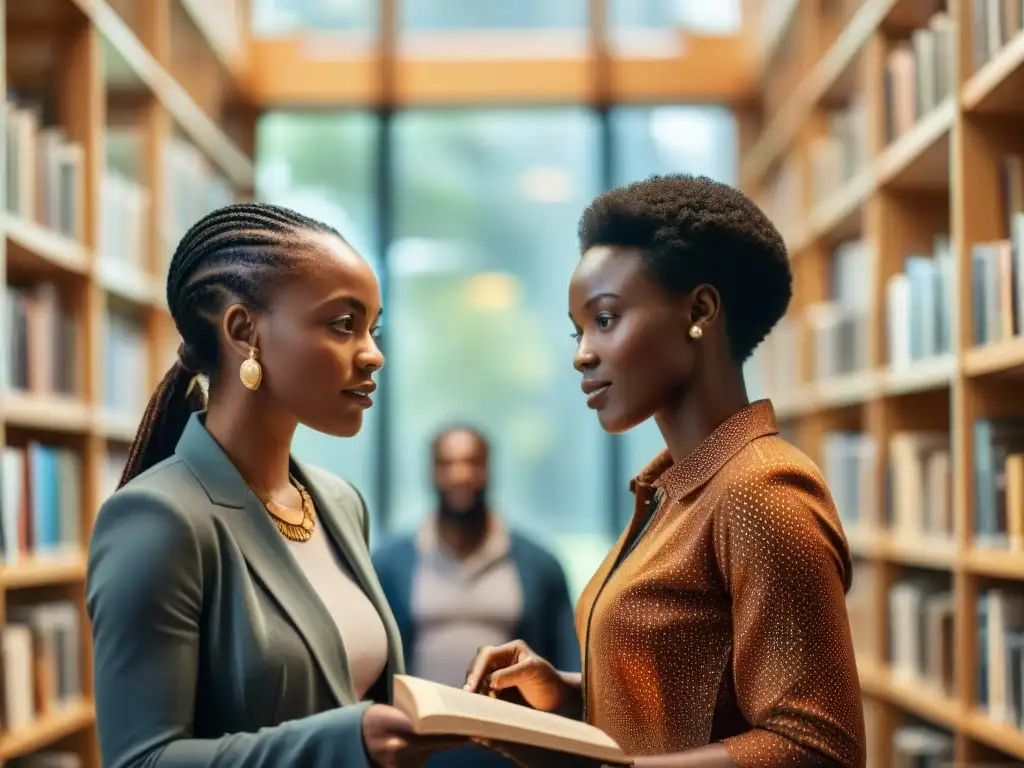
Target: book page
point(441, 709)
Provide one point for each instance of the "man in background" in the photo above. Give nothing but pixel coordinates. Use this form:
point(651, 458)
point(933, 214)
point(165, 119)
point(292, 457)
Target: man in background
point(465, 580)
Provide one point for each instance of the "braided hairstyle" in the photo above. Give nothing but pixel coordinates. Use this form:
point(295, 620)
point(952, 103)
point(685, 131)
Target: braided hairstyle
point(237, 253)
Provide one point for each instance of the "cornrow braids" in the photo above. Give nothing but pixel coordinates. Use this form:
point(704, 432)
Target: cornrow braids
point(234, 254)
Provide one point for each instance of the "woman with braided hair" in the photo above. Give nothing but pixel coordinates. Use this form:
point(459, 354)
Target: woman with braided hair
point(235, 614)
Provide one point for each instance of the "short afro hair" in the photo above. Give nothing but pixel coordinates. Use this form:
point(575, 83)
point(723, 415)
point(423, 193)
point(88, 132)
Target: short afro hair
point(692, 230)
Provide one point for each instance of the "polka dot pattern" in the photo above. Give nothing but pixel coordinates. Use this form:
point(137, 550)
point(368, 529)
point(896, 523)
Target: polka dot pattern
point(726, 621)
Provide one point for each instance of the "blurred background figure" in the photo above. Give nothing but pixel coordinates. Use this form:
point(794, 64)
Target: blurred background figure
point(465, 578)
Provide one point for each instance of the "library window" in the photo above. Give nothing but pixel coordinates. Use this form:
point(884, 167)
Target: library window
point(422, 15)
point(271, 18)
point(484, 244)
point(718, 17)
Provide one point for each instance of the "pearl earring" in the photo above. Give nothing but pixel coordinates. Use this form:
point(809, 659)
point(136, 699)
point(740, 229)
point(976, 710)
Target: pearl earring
point(696, 331)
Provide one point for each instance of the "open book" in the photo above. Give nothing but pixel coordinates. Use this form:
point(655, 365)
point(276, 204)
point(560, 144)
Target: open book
point(441, 710)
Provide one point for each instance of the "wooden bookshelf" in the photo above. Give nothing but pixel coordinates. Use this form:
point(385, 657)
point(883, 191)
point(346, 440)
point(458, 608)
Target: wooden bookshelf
point(904, 218)
point(129, 143)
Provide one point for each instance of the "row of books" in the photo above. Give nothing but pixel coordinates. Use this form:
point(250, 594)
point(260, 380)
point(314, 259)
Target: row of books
point(45, 171)
point(995, 23)
point(41, 340)
point(782, 201)
point(919, 306)
point(839, 325)
point(918, 483)
point(1000, 668)
point(998, 467)
point(41, 502)
point(920, 635)
point(42, 658)
point(124, 218)
point(919, 74)
point(842, 151)
point(997, 267)
point(43, 354)
point(921, 745)
point(126, 369)
point(193, 188)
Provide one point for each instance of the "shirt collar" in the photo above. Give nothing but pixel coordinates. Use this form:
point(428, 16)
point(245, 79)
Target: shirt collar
point(681, 478)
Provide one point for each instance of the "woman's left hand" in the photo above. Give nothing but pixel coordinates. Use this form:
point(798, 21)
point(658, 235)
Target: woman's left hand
point(536, 757)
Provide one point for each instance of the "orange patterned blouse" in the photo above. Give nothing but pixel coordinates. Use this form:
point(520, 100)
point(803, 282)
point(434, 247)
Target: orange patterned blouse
point(727, 621)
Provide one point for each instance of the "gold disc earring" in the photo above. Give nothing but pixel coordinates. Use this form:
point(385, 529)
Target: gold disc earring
point(250, 372)
point(696, 331)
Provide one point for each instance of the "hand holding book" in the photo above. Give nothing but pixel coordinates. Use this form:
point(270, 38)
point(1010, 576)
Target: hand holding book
point(515, 665)
point(529, 736)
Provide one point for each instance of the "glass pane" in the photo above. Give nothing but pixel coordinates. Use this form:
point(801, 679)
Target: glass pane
point(285, 17)
point(486, 209)
point(706, 16)
point(669, 139)
point(324, 165)
point(423, 15)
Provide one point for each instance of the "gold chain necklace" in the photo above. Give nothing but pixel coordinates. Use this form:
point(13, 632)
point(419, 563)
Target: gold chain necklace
point(295, 532)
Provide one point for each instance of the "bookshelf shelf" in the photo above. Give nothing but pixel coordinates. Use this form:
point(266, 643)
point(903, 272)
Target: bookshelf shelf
point(47, 413)
point(43, 572)
point(34, 248)
point(48, 730)
point(931, 705)
point(995, 564)
point(1003, 737)
point(997, 86)
point(919, 159)
point(995, 358)
point(109, 159)
point(899, 368)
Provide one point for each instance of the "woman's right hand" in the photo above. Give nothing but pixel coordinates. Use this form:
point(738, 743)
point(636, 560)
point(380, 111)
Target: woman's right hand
point(515, 665)
point(391, 742)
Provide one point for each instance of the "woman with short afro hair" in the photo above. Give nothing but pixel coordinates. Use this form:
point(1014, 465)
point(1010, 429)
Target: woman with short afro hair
point(715, 632)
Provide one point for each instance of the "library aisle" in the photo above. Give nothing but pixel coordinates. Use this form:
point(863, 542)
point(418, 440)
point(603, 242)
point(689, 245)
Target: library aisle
point(892, 157)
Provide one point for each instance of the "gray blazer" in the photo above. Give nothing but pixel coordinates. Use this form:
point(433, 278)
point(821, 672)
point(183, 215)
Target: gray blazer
point(211, 649)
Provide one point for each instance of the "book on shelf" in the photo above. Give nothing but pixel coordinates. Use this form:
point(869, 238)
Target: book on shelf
point(780, 358)
point(41, 348)
point(921, 746)
point(995, 441)
point(40, 502)
point(921, 636)
point(45, 172)
point(919, 74)
point(849, 469)
point(997, 267)
point(782, 201)
point(126, 366)
point(1000, 667)
point(920, 302)
point(42, 654)
point(839, 325)
point(842, 151)
point(919, 486)
point(192, 189)
point(437, 709)
point(996, 23)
